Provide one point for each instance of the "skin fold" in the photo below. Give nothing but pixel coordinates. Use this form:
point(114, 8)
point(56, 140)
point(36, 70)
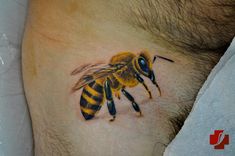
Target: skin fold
point(63, 35)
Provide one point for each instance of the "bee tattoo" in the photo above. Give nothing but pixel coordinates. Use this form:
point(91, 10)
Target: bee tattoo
point(101, 83)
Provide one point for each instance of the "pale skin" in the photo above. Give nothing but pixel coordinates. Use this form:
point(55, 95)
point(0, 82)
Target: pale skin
point(63, 35)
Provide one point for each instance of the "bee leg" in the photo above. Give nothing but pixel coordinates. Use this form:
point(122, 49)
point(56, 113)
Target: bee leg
point(117, 94)
point(134, 104)
point(159, 90)
point(109, 98)
point(147, 89)
point(141, 80)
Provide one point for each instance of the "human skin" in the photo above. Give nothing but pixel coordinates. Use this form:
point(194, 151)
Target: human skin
point(63, 35)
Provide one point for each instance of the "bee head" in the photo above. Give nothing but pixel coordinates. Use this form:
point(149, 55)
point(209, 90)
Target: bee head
point(143, 63)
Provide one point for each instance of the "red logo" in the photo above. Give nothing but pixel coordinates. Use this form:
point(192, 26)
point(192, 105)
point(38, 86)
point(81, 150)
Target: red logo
point(218, 139)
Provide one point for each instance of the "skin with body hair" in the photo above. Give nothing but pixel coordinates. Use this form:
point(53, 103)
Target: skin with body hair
point(66, 36)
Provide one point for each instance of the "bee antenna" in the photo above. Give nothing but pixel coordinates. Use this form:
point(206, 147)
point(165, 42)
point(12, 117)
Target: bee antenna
point(161, 57)
point(154, 58)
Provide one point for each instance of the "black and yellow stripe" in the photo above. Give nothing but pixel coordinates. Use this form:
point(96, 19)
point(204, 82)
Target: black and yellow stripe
point(91, 99)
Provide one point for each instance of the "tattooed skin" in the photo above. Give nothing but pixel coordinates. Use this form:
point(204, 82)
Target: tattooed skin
point(124, 70)
point(71, 60)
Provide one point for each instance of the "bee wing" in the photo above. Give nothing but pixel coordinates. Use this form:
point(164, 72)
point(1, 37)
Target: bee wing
point(96, 73)
point(85, 67)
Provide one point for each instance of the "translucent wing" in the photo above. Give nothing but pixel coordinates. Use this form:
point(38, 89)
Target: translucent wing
point(85, 67)
point(95, 73)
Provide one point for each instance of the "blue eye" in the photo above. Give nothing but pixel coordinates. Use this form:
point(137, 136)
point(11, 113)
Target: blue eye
point(143, 65)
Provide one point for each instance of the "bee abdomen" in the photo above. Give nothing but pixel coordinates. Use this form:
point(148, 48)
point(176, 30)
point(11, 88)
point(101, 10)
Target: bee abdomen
point(91, 99)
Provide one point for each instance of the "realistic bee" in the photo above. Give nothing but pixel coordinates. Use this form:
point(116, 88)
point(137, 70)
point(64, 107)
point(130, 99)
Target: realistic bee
point(101, 83)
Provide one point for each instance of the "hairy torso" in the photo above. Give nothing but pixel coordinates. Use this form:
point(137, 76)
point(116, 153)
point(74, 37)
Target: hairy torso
point(62, 35)
point(197, 26)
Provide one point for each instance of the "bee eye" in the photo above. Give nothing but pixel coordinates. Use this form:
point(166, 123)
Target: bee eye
point(143, 65)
